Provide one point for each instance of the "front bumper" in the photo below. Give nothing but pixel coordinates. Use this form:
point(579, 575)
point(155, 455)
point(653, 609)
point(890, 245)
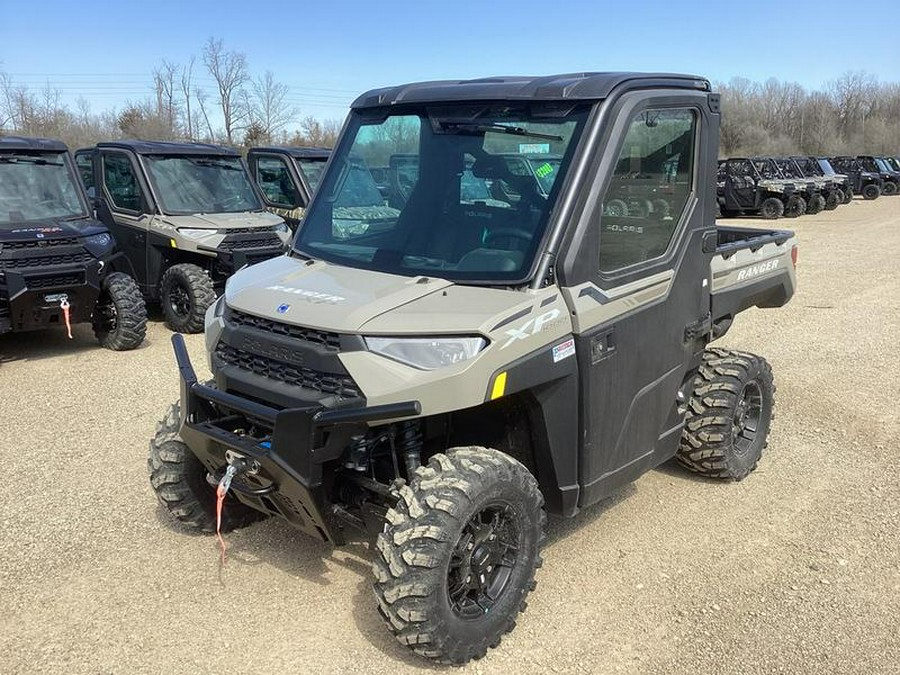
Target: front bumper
point(32, 298)
point(289, 447)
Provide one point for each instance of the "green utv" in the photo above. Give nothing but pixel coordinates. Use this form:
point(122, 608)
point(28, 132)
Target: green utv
point(186, 215)
point(59, 266)
point(441, 374)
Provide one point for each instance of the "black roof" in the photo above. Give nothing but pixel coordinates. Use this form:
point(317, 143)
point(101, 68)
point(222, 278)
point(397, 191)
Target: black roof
point(296, 151)
point(30, 143)
point(572, 86)
point(170, 148)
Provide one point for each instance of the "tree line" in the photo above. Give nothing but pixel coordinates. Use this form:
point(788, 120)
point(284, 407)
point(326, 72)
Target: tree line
point(239, 109)
point(852, 114)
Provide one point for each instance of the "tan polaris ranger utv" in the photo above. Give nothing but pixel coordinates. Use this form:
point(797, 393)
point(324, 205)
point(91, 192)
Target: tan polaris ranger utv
point(443, 373)
point(287, 177)
point(186, 215)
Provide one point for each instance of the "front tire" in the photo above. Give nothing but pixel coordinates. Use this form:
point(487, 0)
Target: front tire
point(458, 554)
point(771, 208)
point(848, 195)
point(186, 292)
point(179, 480)
point(729, 415)
point(871, 191)
point(835, 198)
point(795, 207)
point(119, 318)
point(889, 189)
point(815, 204)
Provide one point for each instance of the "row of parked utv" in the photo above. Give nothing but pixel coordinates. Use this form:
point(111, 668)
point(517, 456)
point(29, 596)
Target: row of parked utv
point(148, 222)
point(772, 187)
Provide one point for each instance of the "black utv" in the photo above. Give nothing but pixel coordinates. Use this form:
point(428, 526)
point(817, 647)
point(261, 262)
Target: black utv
point(841, 184)
point(865, 182)
point(890, 178)
point(58, 266)
point(186, 215)
point(287, 178)
point(745, 188)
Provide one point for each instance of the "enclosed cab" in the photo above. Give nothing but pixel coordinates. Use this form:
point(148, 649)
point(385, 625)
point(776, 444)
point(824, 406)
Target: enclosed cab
point(442, 372)
point(840, 184)
point(753, 187)
point(866, 183)
point(186, 215)
point(287, 178)
point(59, 266)
point(890, 178)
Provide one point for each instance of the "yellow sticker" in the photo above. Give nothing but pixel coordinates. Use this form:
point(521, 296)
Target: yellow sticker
point(499, 386)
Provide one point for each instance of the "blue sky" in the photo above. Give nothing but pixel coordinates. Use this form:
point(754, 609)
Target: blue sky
point(328, 52)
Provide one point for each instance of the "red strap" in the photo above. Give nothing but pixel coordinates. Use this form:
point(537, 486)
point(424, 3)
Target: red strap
point(64, 306)
point(221, 491)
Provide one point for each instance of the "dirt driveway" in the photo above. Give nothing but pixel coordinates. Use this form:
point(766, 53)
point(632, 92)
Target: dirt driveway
point(795, 570)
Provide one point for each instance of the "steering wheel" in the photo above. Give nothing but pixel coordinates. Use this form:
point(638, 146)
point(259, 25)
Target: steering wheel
point(508, 233)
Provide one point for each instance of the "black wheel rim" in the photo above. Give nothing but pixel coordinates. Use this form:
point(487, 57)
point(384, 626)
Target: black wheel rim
point(747, 416)
point(179, 300)
point(106, 317)
point(483, 561)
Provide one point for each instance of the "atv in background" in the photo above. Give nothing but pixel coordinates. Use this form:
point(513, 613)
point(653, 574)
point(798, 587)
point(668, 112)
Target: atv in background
point(892, 162)
point(812, 168)
point(865, 183)
point(287, 178)
point(59, 266)
point(186, 215)
point(806, 191)
point(823, 192)
point(745, 187)
point(890, 178)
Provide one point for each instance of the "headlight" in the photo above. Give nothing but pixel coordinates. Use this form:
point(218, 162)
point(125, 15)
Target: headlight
point(101, 240)
point(282, 228)
point(196, 232)
point(427, 353)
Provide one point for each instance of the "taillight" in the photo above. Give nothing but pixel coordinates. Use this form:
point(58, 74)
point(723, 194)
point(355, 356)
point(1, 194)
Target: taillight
point(794, 255)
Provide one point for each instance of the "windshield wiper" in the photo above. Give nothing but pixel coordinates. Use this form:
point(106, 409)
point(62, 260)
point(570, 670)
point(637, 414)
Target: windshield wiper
point(468, 127)
point(19, 159)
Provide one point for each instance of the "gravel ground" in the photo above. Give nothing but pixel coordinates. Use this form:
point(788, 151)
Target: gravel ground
point(795, 570)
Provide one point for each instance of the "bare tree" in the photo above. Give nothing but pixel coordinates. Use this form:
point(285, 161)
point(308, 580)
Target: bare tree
point(270, 109)
point(187, 73)
point(317, 133)
point(229, 70)
point(201, 101)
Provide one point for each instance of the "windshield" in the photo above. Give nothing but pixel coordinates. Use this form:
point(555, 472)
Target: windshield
point(882, 165)
point(893, 162)
point(38, 186)
point(193, 184)
point(827, 169)
point(444, 211)
point(312, 171)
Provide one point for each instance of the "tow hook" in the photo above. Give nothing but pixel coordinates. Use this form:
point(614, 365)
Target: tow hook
point(237, 465)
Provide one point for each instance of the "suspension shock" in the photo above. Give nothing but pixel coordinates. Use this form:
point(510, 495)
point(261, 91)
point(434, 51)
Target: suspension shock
point(409, 443)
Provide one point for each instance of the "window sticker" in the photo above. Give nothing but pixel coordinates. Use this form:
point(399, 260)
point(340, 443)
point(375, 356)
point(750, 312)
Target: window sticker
point(564, 350)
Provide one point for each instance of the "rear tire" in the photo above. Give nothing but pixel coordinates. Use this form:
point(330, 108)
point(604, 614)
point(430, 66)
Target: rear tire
point(119, 318)
point(186, 292)
point(771, 208)
point(729, 415)
point(795, 207)
point(871, 191)
point(848, 195)
point(179, 480)
point(889, 189)
point(458, 554)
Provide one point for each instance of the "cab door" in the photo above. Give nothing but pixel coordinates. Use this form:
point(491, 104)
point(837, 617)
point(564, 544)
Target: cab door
point(641, 312)
point(124, 206)
point(281, 187)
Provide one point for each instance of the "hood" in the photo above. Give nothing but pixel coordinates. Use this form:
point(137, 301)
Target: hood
point(324, 296)
point(224, 221)
point(50, 229)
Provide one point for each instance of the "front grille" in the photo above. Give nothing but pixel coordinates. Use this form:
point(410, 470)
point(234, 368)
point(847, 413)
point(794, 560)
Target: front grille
point(248, 230)
point(64, 280)
point(329, 341)
point(39, 243)
point(269, 241)
point(298, 376)
point(47, 261)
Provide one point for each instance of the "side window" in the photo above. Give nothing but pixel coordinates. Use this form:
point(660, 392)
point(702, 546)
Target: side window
point(121, 183)
point(649, 190)
point(274, 179)
point(85, 165)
